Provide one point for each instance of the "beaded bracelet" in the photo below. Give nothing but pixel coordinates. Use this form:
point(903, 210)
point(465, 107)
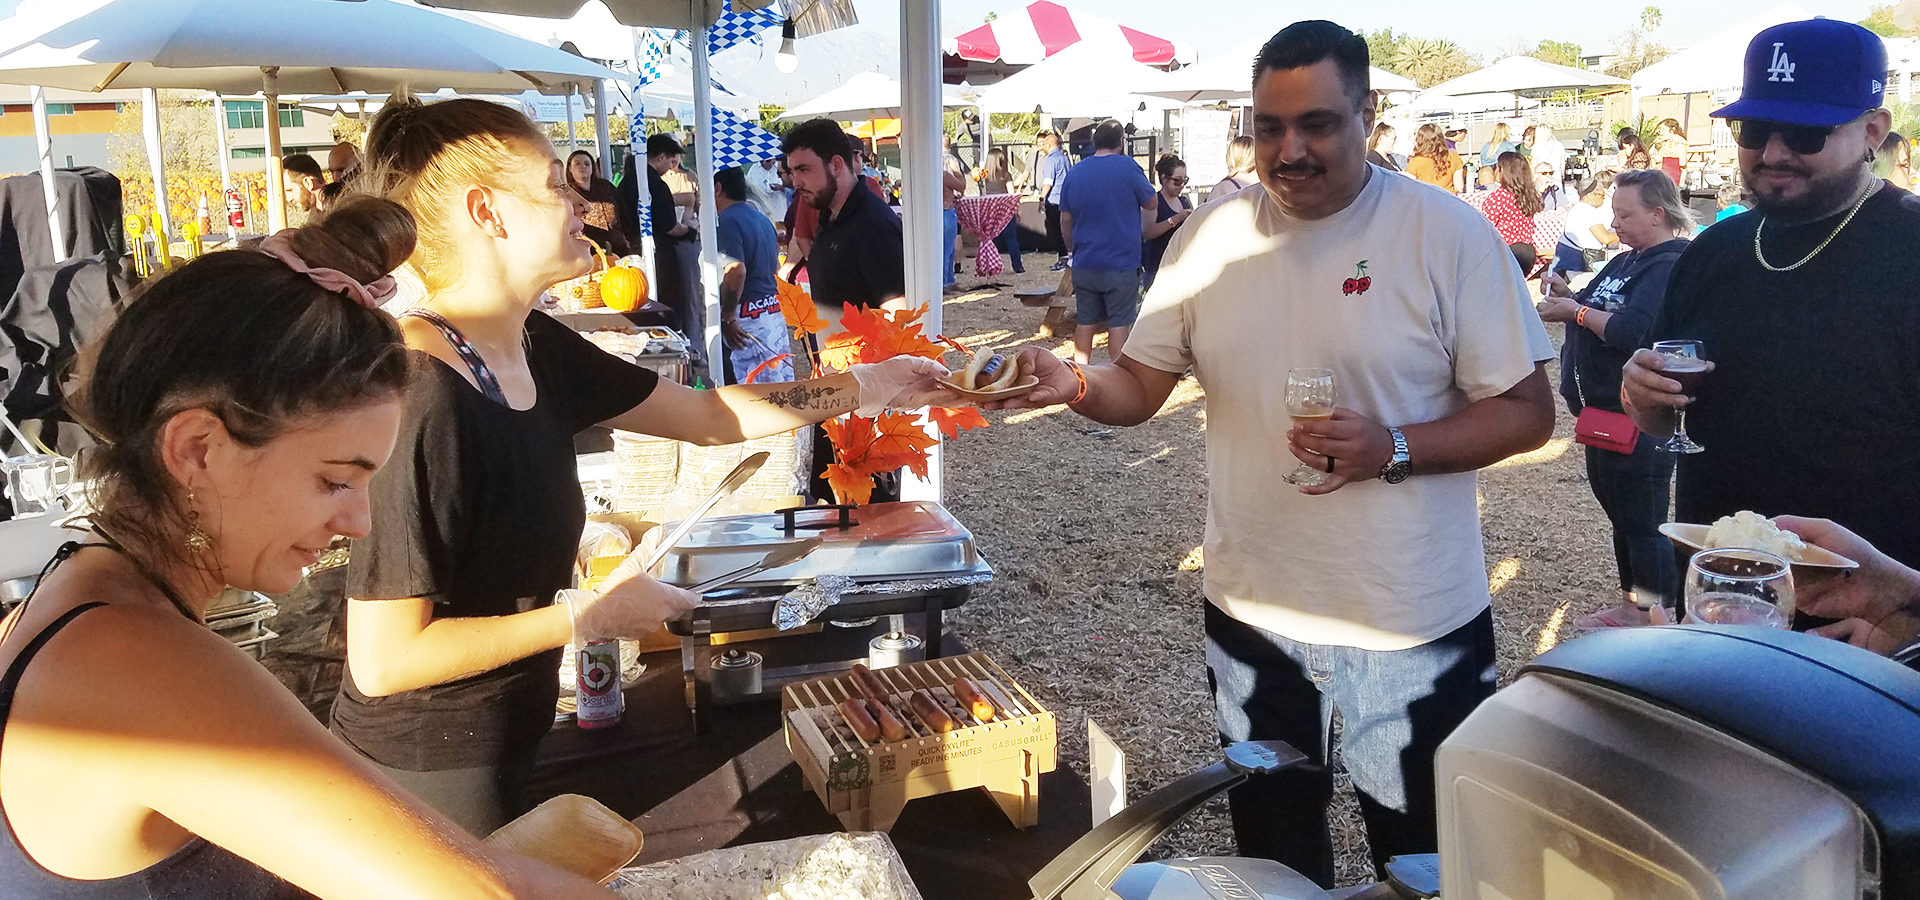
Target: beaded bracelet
point(1580, 318)
point(1081, 376)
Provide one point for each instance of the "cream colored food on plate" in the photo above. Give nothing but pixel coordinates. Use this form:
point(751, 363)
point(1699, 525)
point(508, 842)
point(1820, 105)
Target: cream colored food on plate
point(1753, 531)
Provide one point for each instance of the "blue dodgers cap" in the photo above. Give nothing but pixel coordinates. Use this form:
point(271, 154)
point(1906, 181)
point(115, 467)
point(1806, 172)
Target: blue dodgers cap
point(1820, 72)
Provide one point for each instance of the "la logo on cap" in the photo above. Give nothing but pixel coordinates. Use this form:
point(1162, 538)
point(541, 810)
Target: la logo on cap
point(1783, 66)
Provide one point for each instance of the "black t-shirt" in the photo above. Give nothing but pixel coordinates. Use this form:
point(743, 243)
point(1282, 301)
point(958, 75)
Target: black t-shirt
point(664, 215)
point(479, 510)
point(858, 258)
point(1814, 407)
point(1633, 287)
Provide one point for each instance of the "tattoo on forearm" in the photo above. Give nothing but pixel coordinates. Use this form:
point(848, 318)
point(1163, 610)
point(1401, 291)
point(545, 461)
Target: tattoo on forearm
point(801, 396)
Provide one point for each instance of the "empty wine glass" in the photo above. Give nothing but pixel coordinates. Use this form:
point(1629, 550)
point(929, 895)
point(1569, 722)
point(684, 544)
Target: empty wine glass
point(1685, 362)
point(1309, 397)
point(1736, 586)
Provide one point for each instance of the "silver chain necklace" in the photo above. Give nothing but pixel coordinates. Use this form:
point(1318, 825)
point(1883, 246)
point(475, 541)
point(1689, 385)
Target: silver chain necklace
point(1872, 188)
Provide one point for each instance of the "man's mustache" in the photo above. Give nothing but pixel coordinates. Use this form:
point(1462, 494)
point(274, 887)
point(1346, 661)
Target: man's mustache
point(1299, 168)
point(1786, 169)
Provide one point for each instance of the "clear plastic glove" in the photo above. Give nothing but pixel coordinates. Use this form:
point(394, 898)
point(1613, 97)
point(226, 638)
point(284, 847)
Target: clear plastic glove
point(903, 382)
point(629, 604)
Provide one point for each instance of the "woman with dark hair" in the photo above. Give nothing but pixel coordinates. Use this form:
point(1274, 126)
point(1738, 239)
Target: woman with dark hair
point(1669, 152)
point(1380, 148)
point(453, 635)
point(602, 215)
point(1633, 153)
point(1606, 322)
point(1512, 201)
point(1433, 163)
point(1171, 210)
point(242, 404)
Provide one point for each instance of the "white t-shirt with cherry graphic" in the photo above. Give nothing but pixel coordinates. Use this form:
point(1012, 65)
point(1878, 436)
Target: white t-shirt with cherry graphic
point(1415, 303)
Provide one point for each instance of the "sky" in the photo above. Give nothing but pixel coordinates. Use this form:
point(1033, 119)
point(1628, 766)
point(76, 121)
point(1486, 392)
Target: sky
point(1484, 27)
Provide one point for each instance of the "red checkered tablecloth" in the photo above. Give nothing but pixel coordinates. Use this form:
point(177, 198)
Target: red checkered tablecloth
point(986, 216)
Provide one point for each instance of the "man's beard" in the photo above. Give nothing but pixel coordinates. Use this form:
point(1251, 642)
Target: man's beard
point(824, 202)
point(1825, 195)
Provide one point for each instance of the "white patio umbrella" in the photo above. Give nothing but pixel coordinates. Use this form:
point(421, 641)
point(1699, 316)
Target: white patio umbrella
point(1082, 79)
point(683, 14)
point(295, 46)
point(868, 95)
point(1527, 77)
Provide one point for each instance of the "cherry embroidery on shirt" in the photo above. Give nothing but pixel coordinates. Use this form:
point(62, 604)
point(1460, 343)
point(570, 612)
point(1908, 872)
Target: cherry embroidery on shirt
point(1358, 284)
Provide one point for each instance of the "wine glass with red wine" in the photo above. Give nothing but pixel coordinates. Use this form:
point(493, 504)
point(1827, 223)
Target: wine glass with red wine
point(1685, 362)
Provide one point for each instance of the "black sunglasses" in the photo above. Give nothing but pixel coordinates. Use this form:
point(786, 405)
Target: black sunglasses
point(1753, 134)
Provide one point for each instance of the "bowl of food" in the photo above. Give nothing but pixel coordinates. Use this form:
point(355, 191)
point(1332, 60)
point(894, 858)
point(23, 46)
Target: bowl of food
point(1752, 531)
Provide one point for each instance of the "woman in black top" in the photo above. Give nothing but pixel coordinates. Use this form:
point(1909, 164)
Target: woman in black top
point(1606, 322)
point(453, 637)
point(1171, 210)
point(602, 215)
point(242, 404)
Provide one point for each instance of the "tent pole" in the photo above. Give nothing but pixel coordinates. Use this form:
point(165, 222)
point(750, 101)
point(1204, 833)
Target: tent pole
point(226, 164)
point(276, 177)
point(43, 139)
point(601, 139)
point(703, 188)
point(920, 165)
point(573, 141)
point(150, 119)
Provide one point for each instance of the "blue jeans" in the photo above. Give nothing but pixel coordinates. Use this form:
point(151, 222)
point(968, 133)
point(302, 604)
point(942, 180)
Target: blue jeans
point(1633, 491)
point(1106, 295)
point(1009, 244)
point(950, 228)
point(1395, 708)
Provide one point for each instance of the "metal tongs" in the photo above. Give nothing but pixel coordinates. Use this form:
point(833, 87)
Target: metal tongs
point(774, 559)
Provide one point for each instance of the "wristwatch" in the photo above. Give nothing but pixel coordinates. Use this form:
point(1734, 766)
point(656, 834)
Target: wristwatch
point(1401, 464)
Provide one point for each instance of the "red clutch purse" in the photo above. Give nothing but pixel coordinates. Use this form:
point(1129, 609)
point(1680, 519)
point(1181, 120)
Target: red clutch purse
point(1606, 430)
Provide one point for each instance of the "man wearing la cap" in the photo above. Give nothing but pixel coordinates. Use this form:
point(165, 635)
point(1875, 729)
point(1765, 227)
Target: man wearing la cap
point(1805, 305)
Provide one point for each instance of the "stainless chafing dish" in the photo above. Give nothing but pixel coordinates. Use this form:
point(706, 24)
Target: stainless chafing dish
point(908, 562)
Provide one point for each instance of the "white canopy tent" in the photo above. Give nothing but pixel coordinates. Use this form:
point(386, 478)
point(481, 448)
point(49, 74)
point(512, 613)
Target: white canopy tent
point(1526, 77)
point(1429, 102)
point(1713, 65)
point(239, 46)
point(678, 14)
point(1084, 79)
point(868, 95)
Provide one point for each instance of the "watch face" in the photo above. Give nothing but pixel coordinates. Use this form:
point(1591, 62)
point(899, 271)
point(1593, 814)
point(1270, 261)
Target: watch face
point(1395, 475)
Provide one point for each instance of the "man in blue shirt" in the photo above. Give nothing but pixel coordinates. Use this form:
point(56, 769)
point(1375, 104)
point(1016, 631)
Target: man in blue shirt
point(1049, 172)
point(1103, 203)
point(750, 320)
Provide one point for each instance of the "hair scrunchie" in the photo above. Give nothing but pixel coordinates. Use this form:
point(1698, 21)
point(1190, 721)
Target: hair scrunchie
point(280, 246)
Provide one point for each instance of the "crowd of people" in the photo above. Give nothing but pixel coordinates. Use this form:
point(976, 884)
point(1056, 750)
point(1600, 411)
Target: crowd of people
point(253, 404)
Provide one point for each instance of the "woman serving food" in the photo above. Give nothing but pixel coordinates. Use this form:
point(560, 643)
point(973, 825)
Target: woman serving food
point(453, 639)
point(242, 404)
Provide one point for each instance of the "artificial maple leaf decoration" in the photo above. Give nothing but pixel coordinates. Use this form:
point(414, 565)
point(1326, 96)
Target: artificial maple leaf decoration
point(955, 420)
point(797, 307)
point(850, 486)
point(900, 433)
point(875, 335)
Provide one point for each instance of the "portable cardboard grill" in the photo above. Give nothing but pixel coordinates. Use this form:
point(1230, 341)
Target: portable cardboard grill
point(867, 782)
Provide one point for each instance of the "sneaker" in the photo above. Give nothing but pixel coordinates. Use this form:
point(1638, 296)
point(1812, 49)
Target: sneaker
point(1057, 266)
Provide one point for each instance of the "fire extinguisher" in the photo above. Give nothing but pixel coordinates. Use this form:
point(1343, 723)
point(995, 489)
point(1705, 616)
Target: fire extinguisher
point(236, 210)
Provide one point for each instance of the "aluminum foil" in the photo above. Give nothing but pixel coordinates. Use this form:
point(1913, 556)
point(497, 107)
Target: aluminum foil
point(862, 865)
point(807, 602)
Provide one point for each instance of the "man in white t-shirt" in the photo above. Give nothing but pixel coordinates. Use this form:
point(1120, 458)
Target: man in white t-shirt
point(1368, 593)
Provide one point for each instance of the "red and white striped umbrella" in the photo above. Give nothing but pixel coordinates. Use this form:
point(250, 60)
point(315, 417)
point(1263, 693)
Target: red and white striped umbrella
point(1045, 28)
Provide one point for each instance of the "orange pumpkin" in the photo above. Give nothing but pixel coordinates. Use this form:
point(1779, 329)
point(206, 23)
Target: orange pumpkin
point(623, 289)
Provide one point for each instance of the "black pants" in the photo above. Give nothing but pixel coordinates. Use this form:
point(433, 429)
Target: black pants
point(1396, 706)
point(1055, 239)
point(1633, 489)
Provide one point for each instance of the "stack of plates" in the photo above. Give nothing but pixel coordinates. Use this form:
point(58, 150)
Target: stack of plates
point(241, 617)
point(645, 470)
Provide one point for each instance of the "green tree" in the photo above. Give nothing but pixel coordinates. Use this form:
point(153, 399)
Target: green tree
point(1565, 53)
point(1881, 21)
point(1638, 48)
point(1429, 61)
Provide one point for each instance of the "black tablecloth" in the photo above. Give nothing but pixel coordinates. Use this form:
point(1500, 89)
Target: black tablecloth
point(738, 784)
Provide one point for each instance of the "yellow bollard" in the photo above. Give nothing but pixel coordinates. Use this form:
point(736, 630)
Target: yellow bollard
point(162, 245)
point(190, 232)
point(136, 243)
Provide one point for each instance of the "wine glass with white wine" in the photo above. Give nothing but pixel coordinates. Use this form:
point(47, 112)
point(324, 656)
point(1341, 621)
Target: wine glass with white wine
point(1309, 397)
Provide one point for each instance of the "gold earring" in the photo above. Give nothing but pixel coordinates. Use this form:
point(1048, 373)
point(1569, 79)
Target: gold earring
point(197, 540)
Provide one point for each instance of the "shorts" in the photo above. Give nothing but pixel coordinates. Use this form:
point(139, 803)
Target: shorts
point(1106, 295)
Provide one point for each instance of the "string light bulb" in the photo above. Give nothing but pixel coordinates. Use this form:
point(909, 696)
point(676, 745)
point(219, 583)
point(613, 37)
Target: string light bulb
point(786, 60)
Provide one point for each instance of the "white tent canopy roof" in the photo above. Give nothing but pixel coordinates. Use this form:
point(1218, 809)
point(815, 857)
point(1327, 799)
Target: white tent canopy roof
point(1714, 64)
point(868, 95)
point(1430, 102)
point(1229, 76)
point(1082, 79)
point(1526, 76)
point(221, 45)
point(657, 13)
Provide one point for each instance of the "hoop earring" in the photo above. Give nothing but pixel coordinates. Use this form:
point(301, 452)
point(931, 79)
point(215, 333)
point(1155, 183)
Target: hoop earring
point(197, 540)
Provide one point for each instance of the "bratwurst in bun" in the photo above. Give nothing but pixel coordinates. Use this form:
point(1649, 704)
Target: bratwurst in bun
point(987, 371)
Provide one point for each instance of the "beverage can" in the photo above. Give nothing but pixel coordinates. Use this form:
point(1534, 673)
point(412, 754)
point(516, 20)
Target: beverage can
point(597, 684)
